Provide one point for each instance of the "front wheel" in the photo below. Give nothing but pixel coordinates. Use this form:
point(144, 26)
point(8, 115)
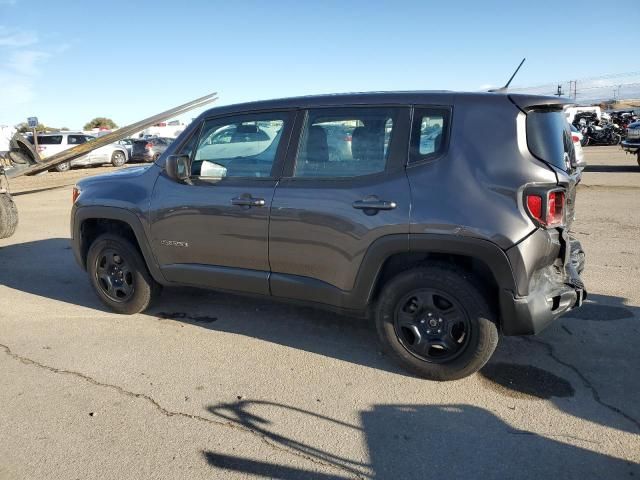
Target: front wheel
point(119, 275)
point(615, 139)
point(436, 323)
point(118, 159)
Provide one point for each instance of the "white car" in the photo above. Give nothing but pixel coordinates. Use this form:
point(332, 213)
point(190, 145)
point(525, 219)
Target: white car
point(55, 142)
point(576, 137)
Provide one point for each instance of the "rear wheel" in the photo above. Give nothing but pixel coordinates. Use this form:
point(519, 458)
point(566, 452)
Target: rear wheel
point(63, 167)
point(118, 159)
point(119, 275)
point(8, 216)
point(434, 322)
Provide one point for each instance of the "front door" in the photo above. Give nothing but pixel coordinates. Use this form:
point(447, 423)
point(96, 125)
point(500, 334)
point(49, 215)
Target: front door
point(345, 188)
point(213, 230)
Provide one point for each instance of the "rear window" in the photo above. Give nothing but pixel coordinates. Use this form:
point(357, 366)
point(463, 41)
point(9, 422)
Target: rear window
point(50, 140)
point(549, 138)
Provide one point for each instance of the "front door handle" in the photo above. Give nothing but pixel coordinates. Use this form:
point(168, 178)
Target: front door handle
point(249, 201)
point(374, 205)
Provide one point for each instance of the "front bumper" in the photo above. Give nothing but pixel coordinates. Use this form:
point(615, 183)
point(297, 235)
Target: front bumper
point(553, 291)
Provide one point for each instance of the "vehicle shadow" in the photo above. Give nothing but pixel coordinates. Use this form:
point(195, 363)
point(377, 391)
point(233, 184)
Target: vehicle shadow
point(582, 363)
point(593, 346)
point(46, 268)
point(411, 441)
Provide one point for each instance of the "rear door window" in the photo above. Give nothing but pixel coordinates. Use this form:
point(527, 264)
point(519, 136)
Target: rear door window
point(345, 142)
point(76, 139)
point(549, 138)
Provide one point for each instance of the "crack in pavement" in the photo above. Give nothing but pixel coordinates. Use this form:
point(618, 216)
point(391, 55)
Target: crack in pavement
point(594, 392)
point(170, 413)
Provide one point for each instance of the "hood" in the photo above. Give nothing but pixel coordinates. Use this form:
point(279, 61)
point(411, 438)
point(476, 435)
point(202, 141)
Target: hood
point(119, 175)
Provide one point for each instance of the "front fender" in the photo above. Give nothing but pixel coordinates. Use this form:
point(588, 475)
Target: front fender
point(80, 214)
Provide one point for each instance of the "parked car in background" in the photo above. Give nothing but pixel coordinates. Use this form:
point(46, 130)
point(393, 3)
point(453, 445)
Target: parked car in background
point(126, 143)
point(149, 149)
point(54, 142)
point(576, 137)
point(632, 143)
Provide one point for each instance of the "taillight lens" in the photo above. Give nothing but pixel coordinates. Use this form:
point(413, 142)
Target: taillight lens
point(575, 138)
point(75, 193)
point(149, 146)
point(547, 209)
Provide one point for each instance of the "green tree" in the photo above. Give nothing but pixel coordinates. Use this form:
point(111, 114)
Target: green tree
point(100, 122)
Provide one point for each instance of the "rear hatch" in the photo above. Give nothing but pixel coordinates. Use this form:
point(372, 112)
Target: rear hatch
point(139, 147)
point(549, 140)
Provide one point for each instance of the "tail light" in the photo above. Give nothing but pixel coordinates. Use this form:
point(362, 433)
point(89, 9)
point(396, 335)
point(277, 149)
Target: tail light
point(149, 146)
point(348, 138)
point(546, 208)
point(75, 193)
point(575, 138)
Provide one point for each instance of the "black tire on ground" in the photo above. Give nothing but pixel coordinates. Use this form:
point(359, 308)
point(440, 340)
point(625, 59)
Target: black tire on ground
point(129, 291)
point(447, 289)
point(63, 167)
point(8, 216)
point(615, 139)
point(118, 158)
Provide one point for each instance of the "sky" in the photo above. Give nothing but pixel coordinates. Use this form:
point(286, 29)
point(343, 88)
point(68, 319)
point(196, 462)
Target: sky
point(67, 62)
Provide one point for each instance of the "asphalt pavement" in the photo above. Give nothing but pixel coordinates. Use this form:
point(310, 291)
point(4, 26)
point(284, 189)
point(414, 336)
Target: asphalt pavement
point(211, 385)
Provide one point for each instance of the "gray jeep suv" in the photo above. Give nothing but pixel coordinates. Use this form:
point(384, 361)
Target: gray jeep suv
point(446, 221)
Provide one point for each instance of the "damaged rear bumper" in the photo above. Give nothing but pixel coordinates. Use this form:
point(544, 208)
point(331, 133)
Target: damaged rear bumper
point(552, 291)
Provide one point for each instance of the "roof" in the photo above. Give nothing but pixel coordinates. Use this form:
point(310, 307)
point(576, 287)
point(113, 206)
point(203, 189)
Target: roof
point(433, 97)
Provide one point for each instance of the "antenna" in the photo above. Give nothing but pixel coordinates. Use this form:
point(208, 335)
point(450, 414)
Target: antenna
point(504, 89)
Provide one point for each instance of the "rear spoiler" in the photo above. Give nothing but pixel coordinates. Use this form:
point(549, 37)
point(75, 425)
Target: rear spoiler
point(527, 102)
point(26, 160)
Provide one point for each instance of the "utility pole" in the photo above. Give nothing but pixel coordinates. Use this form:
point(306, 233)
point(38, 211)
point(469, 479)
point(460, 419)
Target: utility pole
point(559, 92)
point(573, 88)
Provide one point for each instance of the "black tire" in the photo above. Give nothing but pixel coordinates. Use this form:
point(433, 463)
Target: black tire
point(585, 140)
point(8, 216)
point(470, 323)
point(615, 139)
point(63, 167)
point(118, 158)
point(128, 293)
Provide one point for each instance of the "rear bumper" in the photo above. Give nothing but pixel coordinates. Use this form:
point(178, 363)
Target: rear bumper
point(144, 157)
point(554, 291)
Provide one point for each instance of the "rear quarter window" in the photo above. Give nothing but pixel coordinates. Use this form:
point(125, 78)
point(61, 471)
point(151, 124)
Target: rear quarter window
point(50, 140)
point(549, 137)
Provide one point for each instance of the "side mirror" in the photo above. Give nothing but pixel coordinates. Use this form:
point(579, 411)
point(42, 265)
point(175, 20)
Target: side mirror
point(178, 167)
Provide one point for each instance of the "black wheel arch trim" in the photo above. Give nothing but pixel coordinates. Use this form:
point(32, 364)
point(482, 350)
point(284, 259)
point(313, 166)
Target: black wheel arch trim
point(81, 214)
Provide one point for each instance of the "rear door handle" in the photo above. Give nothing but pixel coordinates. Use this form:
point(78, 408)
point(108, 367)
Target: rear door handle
point(248, 202)
point(374, 205)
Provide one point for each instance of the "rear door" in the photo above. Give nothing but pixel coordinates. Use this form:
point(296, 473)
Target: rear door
point(344, 186)
point(213, 230)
